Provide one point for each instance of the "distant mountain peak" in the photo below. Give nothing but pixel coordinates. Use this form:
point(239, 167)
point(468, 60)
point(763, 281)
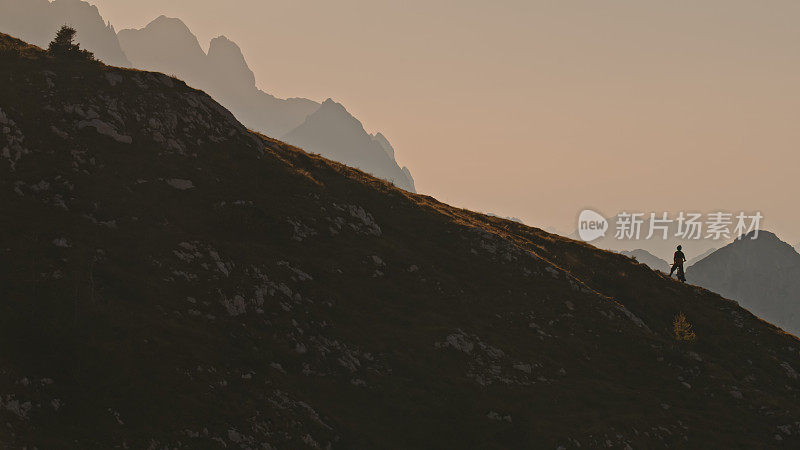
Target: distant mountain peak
point(762, 274)
point(332, 111)
point(222, 42)
point(761, 234)
point(331, 105)
point(765, 241)
point(166, 44)
point(167, 31)
point(333, 132)
point(163, 20)
point(226, 56)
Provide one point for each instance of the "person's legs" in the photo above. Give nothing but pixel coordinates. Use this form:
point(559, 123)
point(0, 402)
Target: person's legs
point(674, 266)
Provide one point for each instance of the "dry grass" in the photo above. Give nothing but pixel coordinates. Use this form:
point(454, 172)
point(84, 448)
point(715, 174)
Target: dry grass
point(683, 329)
point(14, 48)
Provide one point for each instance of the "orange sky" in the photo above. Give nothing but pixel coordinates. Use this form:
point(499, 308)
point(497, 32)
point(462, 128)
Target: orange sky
point(537, 109)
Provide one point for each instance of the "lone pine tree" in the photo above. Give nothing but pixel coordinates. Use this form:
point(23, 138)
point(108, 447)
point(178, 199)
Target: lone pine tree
point(63, 45)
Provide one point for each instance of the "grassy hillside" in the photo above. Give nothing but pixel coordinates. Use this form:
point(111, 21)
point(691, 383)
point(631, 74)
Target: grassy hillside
point(170, 279)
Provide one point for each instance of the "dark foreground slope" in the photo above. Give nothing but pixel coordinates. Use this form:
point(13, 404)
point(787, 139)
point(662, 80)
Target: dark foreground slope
point(169, 279)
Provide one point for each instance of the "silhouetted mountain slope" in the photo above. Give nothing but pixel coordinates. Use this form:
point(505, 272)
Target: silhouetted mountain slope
point(170, 280)
point(333, 133)
point(37, 21)
point(167, 45)
point(647, 258)
point(763, 275)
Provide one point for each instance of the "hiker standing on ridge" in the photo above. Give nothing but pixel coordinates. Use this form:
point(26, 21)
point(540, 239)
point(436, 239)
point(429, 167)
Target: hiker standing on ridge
point(677, 263)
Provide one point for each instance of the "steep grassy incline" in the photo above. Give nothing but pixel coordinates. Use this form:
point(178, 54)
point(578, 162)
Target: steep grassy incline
point(169, 279)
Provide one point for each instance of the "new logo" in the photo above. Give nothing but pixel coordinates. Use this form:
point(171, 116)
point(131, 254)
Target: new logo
point(591, 225)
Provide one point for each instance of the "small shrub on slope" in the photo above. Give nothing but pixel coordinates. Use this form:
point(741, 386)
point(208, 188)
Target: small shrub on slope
point(683, 329)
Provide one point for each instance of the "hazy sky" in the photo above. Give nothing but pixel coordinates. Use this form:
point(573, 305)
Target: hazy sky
point(537, 109)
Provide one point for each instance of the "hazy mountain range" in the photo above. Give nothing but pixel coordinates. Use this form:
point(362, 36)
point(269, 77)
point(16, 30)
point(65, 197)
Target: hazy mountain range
point(763, 275)
point(169, 279)
point(660, 264)
point(656, 245)
point(167, 45)
point(700, 257)
point(37, 21)
point(647, 258)
point(333, 133)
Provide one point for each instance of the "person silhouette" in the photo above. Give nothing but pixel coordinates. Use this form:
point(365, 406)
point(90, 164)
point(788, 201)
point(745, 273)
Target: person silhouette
point(677, 263)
